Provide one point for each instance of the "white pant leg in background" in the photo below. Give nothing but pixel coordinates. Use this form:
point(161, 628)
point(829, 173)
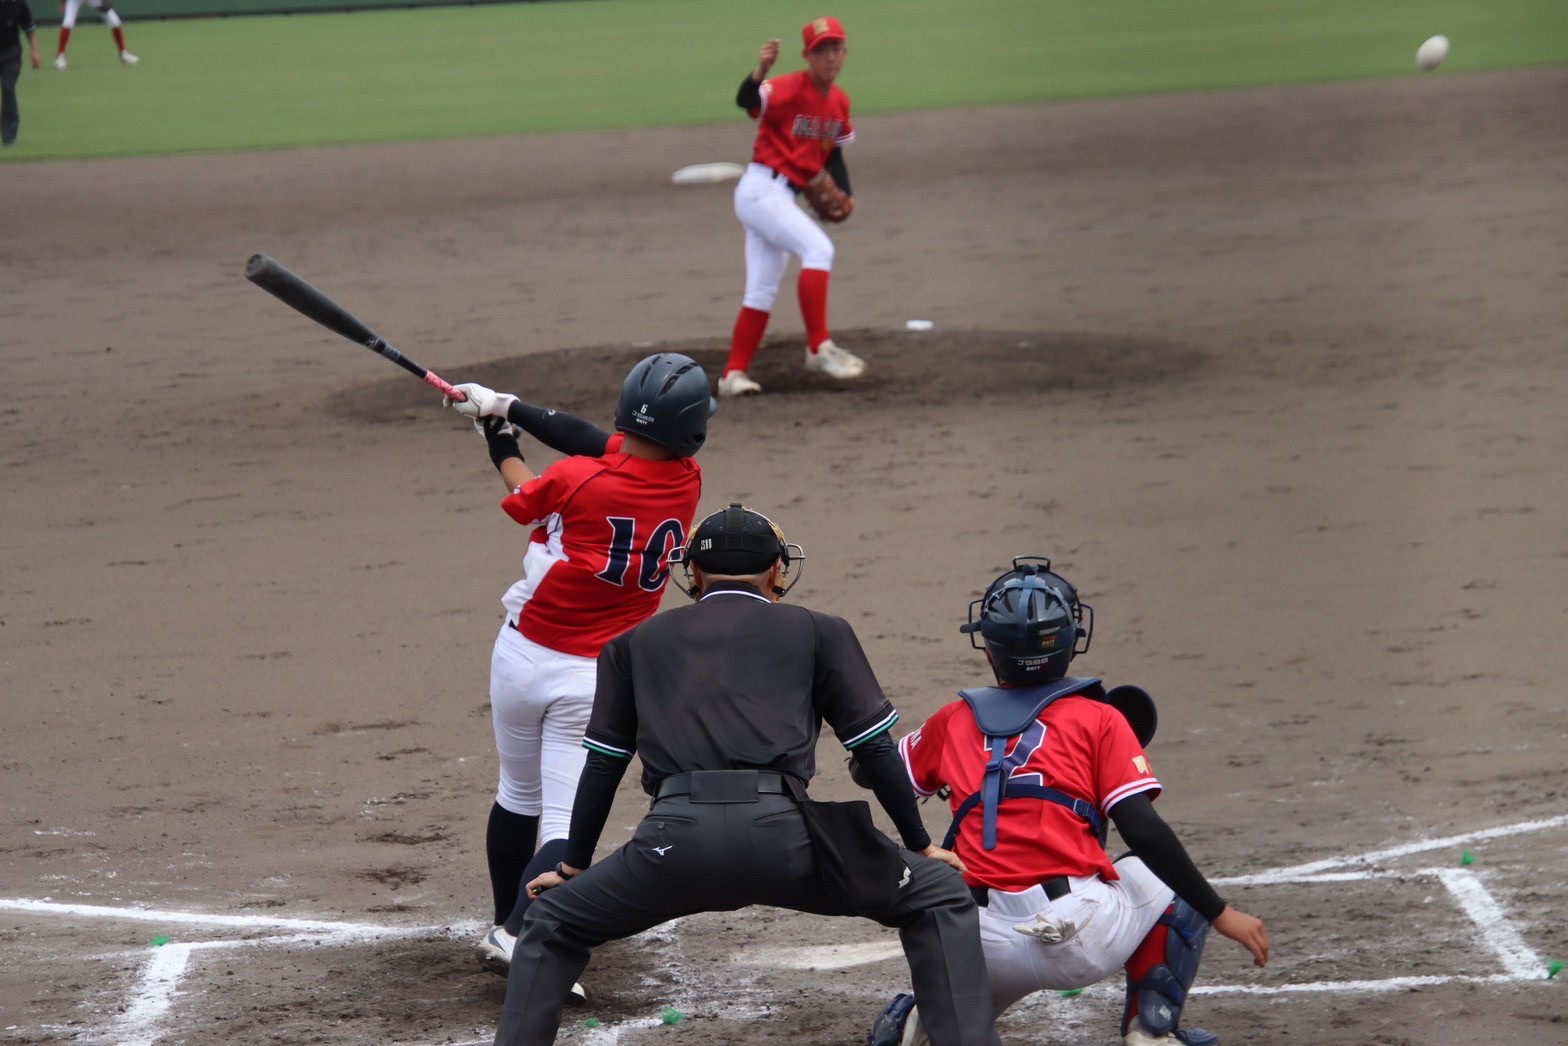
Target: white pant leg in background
point(540, 700)
point(1111, 920)
point(776, 228)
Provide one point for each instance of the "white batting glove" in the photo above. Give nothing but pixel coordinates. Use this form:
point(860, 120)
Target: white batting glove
point(481, 402)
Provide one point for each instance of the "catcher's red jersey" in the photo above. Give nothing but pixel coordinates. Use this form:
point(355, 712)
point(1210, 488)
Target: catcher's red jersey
point(1078, 746)
point(798, 126)
point(596, 562)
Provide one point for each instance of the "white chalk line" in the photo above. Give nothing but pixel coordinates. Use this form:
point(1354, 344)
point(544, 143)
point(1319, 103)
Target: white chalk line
point(159, 982)
point(1379, 856)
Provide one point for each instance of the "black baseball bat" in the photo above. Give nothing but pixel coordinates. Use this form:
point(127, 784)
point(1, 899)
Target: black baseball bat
point(296, 293)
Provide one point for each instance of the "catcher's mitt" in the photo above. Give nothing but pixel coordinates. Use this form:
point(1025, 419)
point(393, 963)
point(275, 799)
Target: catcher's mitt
point(830, 203)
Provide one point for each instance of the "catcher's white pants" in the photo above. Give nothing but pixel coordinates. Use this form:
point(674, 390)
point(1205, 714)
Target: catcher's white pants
point(540, 700)
point(776, 227)
point(1111, 920)
point(110, 17)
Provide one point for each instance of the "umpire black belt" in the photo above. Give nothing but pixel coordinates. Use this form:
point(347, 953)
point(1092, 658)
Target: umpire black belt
point(723, 786)
point(1055, 888)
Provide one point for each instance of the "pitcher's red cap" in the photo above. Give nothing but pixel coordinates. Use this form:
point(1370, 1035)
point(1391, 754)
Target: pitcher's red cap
point(821, 30)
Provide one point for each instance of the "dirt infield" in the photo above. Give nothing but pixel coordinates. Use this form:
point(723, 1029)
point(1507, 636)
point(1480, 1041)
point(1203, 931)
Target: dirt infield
point(1279, 378)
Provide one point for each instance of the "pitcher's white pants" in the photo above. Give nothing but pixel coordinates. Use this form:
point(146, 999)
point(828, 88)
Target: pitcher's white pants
point(776, 227)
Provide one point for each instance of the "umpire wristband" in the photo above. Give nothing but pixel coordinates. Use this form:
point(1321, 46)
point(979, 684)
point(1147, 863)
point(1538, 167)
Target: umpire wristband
point(562, 871)
point(503, 447)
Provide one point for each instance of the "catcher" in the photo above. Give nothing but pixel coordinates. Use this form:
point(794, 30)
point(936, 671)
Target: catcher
point(1033, 767)
point(802, 127)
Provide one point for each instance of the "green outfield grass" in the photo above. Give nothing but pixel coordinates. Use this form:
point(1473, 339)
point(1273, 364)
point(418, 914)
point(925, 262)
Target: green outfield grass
point(223, 84)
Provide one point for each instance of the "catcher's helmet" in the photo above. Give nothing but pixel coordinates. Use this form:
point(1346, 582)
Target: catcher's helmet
point(1031, 622)
point(665, 399)
point(737, 541)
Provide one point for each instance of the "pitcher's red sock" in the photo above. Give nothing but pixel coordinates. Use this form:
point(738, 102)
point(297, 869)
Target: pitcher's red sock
point(813, 291)
point(750, 325)
point(65, 34)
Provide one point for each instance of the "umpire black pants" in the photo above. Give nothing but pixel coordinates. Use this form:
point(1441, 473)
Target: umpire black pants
point(10, 69)
point(688, 857)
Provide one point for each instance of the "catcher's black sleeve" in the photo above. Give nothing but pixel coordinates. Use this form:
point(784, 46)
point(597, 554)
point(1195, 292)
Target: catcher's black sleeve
point(883, 772)
point(558, 430)
point(839, 170)
point(591, 807)
point(750, 94)
point(1152, 839)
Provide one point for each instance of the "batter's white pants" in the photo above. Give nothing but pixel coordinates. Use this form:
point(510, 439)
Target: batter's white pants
point(1112, 919)
point(540, 700)
point(111, 18)
point(776, 227)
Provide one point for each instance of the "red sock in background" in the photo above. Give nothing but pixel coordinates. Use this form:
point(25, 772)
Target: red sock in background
point(813, 290)
point(749, 328)
point(1148, 955)
point(119, 38)
point(65, 34)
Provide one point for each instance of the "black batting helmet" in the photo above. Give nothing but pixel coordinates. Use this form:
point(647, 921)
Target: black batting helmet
point(738, 541)
point(665, 400)
point(1031, 622)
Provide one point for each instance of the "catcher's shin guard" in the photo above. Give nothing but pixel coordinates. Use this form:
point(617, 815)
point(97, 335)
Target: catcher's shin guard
point(1163, 968)
point(888, 1029)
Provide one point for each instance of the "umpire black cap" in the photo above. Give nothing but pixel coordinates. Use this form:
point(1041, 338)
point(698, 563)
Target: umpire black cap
point(737, 541)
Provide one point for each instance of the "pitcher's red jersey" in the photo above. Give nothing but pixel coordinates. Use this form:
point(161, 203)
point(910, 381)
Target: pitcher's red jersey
point(798, 126)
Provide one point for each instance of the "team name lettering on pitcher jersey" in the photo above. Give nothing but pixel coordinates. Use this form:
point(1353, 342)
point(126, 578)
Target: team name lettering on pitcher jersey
point(798, 126)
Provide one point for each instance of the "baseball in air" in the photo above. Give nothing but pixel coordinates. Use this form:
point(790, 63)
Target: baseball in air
point(1430, 55)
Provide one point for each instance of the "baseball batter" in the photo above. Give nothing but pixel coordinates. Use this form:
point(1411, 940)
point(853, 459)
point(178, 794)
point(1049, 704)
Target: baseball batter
point(1033, 767)
point(604, 521)
point(111, 18)
point(802, 126)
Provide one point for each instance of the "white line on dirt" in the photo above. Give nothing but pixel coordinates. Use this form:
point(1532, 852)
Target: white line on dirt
point(243, 922)
point(1496, 930)
point(1278, 875)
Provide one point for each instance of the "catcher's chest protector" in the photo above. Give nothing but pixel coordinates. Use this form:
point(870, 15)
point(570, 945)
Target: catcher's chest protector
point(1005, 713)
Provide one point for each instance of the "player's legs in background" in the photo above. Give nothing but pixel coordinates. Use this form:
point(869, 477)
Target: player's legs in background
point(111, 18)
point(67, 23)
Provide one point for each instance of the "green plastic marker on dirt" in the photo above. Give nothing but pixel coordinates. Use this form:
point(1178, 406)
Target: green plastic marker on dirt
point(1553, 968)
point(1467, 858)
point(593, 1022)
point(158, 942)
point(1069, 994)
point(671, 1015)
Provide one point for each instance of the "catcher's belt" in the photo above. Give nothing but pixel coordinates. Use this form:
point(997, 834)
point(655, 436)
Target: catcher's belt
point(1055, 888)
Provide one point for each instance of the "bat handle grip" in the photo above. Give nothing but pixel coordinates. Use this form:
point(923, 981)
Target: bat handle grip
point(453, 394)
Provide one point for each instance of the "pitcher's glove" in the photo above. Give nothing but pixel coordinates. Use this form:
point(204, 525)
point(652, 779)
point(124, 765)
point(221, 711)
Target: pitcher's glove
point(830, 203)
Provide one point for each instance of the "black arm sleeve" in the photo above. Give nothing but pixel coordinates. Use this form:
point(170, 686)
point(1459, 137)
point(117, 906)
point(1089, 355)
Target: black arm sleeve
point(838, 169)
point(750, 94)
point(558, 430)
point(503, 447)
point(591, 807)
point(883, 772)
point(1152, 839)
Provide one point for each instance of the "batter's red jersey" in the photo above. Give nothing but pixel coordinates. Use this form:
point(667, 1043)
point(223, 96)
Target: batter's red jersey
point(798, 126)
point(1078, 746)
point(603, 529)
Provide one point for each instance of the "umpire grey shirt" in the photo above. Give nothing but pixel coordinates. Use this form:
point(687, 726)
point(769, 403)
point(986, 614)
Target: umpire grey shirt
point(734, 682)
